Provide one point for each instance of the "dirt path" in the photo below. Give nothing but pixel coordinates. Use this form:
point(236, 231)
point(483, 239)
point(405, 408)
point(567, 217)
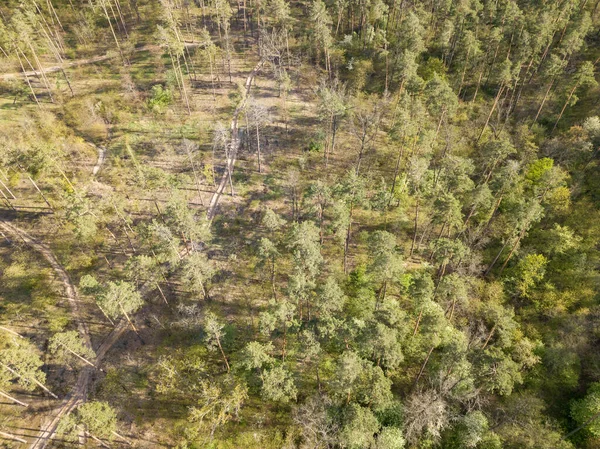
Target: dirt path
point(101, 157)
point(70, 291)
point(78, 394)
point(233, 146)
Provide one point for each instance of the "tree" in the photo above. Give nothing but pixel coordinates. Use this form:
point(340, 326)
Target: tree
point(359, 428)
point(258, 117)
point(426, 413)
point(65, 345)
point(322, 38)
point(304, 243)
point(386, 264)
point(98, 418)
point(390, 438)
point(142, 268)
point(20, 364)
point(441, 100)
point(210, 52)
point(214, 335)
point(256, 355)
point(365, 119)
point(198, 270)
point(586, 411)
point(332, 108)
point(120, 298)
point(224, 13)
point(268, 253)
point(584, 77)
point(278, 385)
point(218, 404)
point(168, 39)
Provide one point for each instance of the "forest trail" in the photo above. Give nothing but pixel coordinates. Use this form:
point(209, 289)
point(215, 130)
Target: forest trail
point(234, 145)
point(101, 157)
point(60, 271)
point(78, 394)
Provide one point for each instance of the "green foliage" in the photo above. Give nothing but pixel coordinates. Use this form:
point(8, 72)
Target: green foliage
point(278, 385)
point(360, 426)
point(159, 99)
point(119, 298)
point(99, 418)
point(415, 265)
point(586, 411)
point(68, 345)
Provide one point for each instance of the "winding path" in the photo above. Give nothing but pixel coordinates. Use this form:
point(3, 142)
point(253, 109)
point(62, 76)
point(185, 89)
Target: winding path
point(79, 392)
point(62, 274)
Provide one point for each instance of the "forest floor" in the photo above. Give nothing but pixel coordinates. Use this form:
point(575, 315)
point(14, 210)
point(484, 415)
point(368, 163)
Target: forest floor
point(86, 375)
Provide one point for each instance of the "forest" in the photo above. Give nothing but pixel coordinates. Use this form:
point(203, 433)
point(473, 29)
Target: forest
point(300, 224)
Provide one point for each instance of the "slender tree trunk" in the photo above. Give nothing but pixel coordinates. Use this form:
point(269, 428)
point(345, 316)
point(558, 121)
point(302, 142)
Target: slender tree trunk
point(40, 192)
point(8, 190)
point(416, 329)
point(128, 319)
point(489, 337)
point(258, 147)
point(423, 367)
point(543, 101)
point(512, 250)
point(414, 240)
point(7, 396)
point(121, 437)
point(78, 356)
point(161, 293)
point(32, 379)
point(13, 437)
point(112, 30)
point(27, 79)
point(477, 86)
point(565, 105)
point(491, 111)
point(223, 354)
point(496, 258)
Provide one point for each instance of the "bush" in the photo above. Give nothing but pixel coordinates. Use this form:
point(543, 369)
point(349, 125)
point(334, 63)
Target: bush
point(159, 99)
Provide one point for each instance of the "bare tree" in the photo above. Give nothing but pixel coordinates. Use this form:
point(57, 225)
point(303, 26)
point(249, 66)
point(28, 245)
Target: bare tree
point(258, 116)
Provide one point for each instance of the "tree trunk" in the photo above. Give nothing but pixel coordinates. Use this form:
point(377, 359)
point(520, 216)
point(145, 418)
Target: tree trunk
point(112, 30)
point(7, 396)
point(543, 101)
point(13, 437)
point(40, 192)
point(418, 322)
point(414, 240)
point(565, 105)
point(33, 379)
point(128, 319)
point(512, 250)
point(496, 258)
point(27, 79)
point(258, 147)
point(161, 293)
point(489, 337)
point(477, 87)
point(223, 354)
point(491, 111)
point(423, 367)
point(78, 356)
